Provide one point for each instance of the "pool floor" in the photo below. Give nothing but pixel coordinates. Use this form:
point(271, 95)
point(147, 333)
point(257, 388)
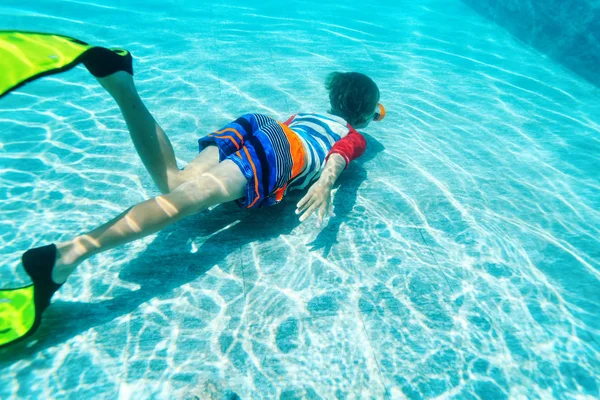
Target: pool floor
point(463, 261)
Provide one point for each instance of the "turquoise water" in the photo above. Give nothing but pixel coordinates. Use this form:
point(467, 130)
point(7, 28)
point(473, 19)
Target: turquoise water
point(464, 261)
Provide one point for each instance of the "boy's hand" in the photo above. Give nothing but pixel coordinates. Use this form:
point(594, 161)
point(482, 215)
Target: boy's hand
point(317, 198)
point(319, 194)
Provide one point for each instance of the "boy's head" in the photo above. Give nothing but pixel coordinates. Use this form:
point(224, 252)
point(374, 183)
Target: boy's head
point(353, 96)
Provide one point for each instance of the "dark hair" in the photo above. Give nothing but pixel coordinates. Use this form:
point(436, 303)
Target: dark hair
point(353, 96)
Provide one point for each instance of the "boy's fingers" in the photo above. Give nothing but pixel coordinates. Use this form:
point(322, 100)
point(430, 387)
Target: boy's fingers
point(308, 196)
point(302, 201)
point(322, 210)
point(312, 202)
point(308, 212)
point(303, 204)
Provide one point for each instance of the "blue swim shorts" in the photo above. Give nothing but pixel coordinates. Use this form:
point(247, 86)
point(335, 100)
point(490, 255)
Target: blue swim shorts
point(268, 153)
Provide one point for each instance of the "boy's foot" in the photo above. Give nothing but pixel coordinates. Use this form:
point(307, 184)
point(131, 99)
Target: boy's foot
point(39, 263)
point(20, 317)
point(102, 62)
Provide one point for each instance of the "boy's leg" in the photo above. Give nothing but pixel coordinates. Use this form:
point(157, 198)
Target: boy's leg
point(208, 158)
point(150, 141)
point(223, 183)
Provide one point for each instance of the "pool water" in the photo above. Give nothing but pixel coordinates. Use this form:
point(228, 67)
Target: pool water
point(464, 260)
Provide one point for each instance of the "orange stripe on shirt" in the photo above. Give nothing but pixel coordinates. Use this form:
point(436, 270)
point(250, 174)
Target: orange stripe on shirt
point(279, 192)
point(296, 150)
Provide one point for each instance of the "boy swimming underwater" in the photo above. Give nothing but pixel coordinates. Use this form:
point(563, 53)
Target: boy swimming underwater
point(253, 161)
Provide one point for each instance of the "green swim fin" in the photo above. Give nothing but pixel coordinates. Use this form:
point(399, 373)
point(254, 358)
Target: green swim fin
point(25, 56)
point(17, 314)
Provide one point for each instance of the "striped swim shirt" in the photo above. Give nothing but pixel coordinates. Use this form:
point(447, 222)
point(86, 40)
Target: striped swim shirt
point(318, 134)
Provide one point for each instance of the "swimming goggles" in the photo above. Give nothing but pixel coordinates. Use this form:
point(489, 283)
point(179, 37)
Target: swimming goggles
point(381, 114)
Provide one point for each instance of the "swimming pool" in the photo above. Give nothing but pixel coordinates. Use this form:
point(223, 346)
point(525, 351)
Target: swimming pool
point(463, 261)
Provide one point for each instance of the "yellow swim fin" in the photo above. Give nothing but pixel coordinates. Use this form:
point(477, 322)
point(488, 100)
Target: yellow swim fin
point(17, 314)
point(25, 56)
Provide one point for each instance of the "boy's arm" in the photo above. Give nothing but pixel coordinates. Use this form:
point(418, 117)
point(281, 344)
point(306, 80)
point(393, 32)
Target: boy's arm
point(334, 166)
point(350, 147)
point(319, 194)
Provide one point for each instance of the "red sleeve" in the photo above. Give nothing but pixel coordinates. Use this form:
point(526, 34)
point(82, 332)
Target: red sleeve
point(290, 119)
point(350, 147)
